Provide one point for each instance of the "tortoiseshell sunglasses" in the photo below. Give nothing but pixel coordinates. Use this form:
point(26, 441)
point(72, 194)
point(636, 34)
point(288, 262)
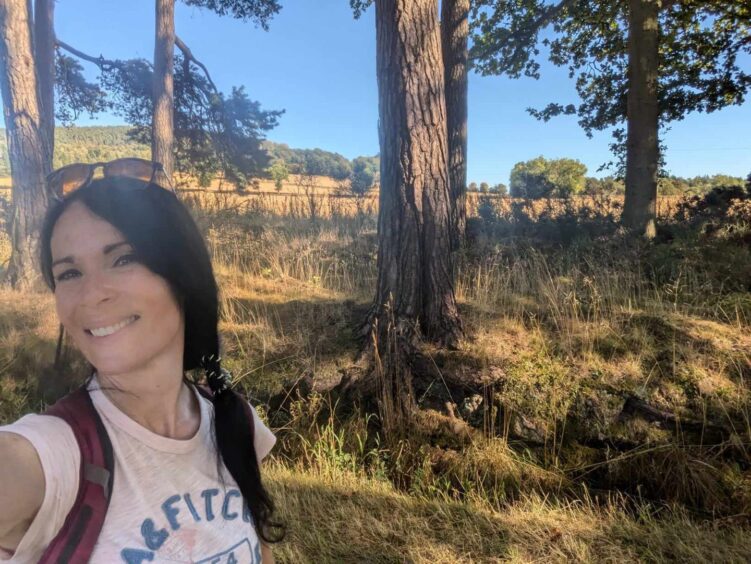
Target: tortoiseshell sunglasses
point(68, 179)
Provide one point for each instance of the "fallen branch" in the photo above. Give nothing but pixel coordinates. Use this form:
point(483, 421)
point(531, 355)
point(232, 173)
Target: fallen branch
point(636, 406)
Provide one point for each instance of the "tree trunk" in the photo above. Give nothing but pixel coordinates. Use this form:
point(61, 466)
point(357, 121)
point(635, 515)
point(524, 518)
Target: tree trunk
point(642, 113)
point(44, 56)
point(454, 40)
point(415, 291)
point(162, 130)
point(27, 148)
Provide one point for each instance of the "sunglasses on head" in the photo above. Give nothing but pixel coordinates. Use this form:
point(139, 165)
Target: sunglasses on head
point(68, 179)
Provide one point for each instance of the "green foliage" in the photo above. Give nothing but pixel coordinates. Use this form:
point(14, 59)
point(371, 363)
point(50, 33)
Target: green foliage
point(486, 188)
point(214, 132)
point(365, 172)
point(603, 186)
point(279, 173)
point(543, 178)
point(676, 185)
point(316, 162)
point(500, 189)
point(323, 163)
point(257, 11)
point(85, 144)
point(700, 41)
point(359, 7)
point(715, 206)
point(669, 185)
point(75, 94)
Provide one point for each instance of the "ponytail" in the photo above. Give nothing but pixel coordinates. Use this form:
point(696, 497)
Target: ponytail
point(236, 448)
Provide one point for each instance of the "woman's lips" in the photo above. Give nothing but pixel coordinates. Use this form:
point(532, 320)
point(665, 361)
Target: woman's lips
point(110, 330)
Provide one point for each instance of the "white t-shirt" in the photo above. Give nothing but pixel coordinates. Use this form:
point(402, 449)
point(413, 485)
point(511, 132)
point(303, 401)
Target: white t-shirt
point(168, 502)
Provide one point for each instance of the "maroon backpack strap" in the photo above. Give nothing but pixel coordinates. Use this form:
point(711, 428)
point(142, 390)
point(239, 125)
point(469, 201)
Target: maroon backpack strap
point(75, 542)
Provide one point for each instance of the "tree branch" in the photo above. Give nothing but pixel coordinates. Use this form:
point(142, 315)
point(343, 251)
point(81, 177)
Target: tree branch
point(189, 57)
point(548, 15)
point(101, 62)
point(524, 35)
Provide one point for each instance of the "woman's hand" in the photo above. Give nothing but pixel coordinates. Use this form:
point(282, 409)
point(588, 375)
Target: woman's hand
point(21, 488)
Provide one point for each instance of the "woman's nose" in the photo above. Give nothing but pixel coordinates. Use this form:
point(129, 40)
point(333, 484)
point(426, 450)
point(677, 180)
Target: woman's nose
point(96, 289)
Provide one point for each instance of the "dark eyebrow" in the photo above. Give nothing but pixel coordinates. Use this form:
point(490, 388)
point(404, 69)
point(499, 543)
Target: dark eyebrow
point(105, 251)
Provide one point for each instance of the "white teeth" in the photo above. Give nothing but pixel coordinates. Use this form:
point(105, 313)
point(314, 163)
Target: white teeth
point(104, 331)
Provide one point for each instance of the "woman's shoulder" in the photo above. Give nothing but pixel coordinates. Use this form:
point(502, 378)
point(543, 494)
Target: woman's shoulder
point(48, 460)
point(35, 424)
point(51, 437)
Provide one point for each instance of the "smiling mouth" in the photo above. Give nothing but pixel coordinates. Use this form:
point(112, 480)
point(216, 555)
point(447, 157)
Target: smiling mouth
point(112, 329)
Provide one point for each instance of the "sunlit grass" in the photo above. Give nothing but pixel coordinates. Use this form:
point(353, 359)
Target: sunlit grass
point(561, 334)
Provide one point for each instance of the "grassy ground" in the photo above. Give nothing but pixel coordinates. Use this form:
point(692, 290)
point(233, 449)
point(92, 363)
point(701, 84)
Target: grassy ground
point(571, 325)
point(345, 518)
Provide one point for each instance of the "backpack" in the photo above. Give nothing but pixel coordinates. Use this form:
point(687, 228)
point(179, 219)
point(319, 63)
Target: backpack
point(75, 541)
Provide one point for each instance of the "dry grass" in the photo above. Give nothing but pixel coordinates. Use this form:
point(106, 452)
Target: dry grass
point(562, 335)
point(326, 198)
point(348, 518)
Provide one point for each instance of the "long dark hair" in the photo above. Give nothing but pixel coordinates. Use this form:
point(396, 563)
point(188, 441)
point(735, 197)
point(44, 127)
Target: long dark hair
point(168, 242)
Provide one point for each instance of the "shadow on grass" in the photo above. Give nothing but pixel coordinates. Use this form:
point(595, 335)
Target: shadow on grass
point(367, 523)
point(343, 518)
point(278, 342)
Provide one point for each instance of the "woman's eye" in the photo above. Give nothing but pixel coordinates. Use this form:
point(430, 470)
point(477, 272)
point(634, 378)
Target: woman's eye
point(126, 259)
point(68, 274)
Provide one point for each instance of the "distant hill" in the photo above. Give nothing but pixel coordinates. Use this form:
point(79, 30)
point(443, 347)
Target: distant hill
point(310, 161)
point(85, 144)
point(104, 143)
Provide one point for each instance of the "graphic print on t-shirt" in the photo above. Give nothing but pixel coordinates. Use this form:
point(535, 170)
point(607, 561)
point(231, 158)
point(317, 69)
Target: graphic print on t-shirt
point(238, 554)
point(170, 536)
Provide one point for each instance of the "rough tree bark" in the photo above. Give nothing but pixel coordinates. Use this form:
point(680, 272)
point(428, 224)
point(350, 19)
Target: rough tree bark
point(27, 148)
point(642, 115)
point(415, 291)
point(162, 130)
point(454, 41)
point(44, 56)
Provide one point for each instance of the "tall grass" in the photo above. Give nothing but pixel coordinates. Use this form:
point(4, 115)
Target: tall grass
point(563, 330)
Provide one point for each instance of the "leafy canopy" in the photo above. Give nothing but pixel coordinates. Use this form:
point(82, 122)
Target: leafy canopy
point(543, 178)
point(257, 11)
point(215, 132)
point(365, 173)
point(279, 173)
point(700, 42)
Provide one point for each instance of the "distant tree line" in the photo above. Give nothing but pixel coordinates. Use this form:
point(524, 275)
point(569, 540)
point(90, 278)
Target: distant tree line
point(363, 170)
point(536, 178)
point(486, 188)
point(104, 143)
point(562, 178)
point(85, 144)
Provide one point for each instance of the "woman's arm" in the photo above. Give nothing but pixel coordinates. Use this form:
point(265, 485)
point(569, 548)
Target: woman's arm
point(266, 556)
point(21, 488)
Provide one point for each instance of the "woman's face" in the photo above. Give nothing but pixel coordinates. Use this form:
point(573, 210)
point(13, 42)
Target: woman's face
point(121, 316)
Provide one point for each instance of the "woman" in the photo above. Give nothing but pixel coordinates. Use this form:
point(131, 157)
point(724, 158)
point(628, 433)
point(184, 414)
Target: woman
point(135, 290)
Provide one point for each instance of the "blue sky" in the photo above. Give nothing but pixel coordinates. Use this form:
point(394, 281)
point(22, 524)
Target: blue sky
point(318, 64)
